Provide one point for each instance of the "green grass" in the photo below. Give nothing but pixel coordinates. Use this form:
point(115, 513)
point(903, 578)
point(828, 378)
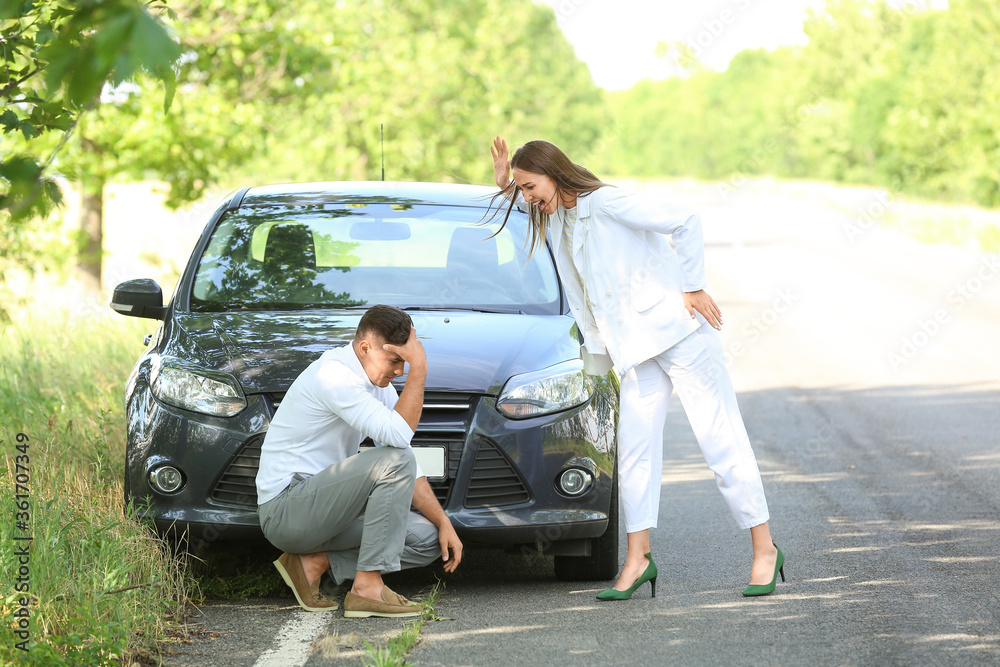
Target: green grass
point(103, 590)
point(237, 572)
point(950, 229)
point(394, 653)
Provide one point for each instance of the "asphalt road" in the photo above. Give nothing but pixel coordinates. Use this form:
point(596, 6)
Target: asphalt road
point(869, 377)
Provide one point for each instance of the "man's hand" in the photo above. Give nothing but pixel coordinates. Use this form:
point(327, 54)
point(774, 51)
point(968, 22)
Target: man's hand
point(412, 351)
point(448, 539)
point(411, 401)
point(501, 163)
point(705, 305)
point(425, 502)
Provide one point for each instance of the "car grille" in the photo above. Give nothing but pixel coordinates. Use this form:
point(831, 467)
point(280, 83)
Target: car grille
point(495, 481)
point(444, 422)
point(237, 486)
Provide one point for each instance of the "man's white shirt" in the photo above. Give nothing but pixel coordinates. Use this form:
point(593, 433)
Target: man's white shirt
point(325, 415)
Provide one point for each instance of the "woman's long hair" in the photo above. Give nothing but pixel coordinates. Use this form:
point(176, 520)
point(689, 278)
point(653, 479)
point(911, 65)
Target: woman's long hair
point(542, 157)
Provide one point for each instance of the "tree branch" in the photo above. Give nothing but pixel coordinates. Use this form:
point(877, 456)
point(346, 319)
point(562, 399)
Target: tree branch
point(13, 85)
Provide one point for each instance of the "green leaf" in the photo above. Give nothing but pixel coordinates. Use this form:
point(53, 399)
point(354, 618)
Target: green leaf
point(28, 130)
point(20, 168)
point(11, 9)
point(10, 121)
point(170, 89)
point(152, 46)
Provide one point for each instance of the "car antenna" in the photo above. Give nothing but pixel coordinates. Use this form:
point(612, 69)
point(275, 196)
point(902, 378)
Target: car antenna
point(381, 135)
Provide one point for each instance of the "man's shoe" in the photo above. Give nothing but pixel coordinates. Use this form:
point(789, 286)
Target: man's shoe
point(392, 605)
point(308, 596)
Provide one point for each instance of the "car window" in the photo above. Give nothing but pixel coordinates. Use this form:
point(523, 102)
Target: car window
point(356, 255)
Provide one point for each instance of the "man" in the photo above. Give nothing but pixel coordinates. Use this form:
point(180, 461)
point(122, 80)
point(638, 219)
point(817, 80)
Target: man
point(329, 507)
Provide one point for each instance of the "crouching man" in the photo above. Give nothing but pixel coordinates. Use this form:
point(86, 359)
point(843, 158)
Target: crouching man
point(328, 507)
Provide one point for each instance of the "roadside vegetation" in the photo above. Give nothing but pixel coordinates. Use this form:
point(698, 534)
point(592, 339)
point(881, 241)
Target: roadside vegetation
point(394, 652)
point(101, 588)
point(884, 93)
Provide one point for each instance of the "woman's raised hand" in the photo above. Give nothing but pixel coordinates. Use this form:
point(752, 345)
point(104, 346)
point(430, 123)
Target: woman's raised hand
point(501, 163)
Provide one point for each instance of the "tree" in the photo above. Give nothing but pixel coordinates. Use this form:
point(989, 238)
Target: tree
point(942, 134)
point(904, 98)
point(297, 90)
point(442, 78)
point(229, 76)
point(57, 57)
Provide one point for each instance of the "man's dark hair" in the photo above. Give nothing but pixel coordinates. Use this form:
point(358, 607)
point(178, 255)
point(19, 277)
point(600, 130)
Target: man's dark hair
point(387, 322)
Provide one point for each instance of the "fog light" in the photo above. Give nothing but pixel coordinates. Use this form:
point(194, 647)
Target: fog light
point(575, 482)
point(166, 479)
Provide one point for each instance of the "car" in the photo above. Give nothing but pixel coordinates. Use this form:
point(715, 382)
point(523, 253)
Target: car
point(517, 440)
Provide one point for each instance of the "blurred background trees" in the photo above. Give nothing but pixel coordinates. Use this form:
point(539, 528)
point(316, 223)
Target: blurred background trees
point(278, 90)
point(901, 98)
point(220, 93)
point(58, 56)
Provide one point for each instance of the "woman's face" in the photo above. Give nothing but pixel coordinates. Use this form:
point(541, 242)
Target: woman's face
point(538, 189)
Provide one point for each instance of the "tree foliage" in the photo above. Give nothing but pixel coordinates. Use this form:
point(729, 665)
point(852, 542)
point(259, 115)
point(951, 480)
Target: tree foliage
point(896, 97)
point(442, 78)
point(279, 90)
point(58, 55)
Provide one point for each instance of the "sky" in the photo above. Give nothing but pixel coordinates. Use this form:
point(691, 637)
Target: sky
point(618, 38)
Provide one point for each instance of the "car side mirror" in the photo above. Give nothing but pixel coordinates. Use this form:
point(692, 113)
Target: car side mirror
point(139, 298)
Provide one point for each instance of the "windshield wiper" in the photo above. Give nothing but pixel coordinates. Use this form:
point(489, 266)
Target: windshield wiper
point(467, 309)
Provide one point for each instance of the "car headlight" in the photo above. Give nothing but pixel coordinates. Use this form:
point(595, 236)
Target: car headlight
point(196, 389)
point(549, 390)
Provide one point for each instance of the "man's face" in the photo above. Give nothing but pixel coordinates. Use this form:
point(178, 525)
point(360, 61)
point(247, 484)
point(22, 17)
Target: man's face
point(380, 366)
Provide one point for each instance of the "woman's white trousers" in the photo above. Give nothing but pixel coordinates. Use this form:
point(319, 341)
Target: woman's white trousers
point(695, 369)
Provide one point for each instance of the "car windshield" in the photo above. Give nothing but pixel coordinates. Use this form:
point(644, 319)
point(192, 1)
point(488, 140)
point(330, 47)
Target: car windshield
point(355, 255)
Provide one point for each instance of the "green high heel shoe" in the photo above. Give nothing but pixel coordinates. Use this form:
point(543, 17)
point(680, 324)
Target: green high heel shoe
point(648, 575)
point(766, 589)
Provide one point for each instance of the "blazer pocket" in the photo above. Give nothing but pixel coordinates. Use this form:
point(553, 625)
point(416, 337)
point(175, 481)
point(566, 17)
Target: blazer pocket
point(646, 295)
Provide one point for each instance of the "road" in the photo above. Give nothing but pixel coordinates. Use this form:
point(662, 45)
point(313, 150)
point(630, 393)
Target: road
point(869, 377)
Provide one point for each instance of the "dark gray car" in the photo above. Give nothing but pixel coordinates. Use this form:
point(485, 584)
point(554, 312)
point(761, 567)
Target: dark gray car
point(517, 441)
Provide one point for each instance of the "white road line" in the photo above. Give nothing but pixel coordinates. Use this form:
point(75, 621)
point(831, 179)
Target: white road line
point(293, 642)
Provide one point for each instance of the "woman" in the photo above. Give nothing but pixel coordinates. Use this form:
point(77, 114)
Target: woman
point(638, 301)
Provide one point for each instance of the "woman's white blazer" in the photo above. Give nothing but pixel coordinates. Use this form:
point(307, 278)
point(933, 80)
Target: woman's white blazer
point(634, 278)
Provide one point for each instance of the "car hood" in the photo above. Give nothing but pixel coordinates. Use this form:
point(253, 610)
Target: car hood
point(473, 352)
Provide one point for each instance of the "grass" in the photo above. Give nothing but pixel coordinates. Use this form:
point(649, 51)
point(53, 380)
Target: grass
point(949, 228)
point(103, 589)
point(394, 653)
point(238, 571)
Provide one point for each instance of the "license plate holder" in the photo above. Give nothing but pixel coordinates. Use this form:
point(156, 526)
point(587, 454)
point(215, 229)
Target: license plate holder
point(433, 460)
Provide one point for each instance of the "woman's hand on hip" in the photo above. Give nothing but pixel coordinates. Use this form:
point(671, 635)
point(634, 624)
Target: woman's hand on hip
point(501, 163)
point(705, 305)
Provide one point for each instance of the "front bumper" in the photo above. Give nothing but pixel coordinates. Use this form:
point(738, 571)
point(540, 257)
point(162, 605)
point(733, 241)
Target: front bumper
point(500, 485)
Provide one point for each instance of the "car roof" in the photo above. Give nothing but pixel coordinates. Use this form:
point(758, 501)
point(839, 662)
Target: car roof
point(357, 192)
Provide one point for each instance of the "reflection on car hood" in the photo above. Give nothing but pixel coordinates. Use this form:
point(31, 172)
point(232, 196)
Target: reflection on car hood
point(474, 352)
